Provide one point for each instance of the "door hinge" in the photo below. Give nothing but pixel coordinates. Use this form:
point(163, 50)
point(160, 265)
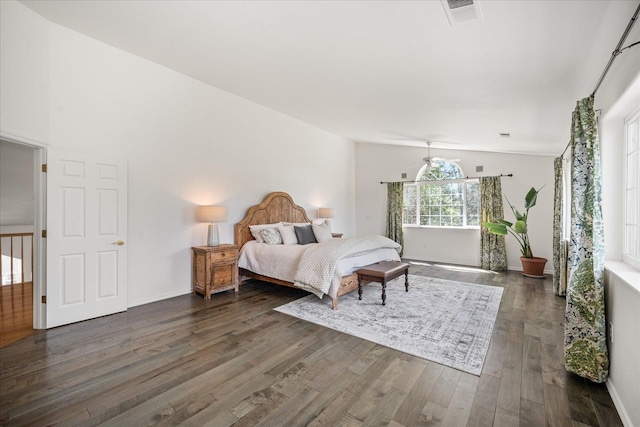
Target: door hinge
point(44, 299)
point(44, 234)
point(44, 168)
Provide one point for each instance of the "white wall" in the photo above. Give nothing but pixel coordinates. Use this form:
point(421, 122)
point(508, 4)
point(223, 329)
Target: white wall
point(186, 144)
point(377, 162)
point(618, 96)
point(612, 136)
point(622, 302)
point(622, 282)
point(24, 72)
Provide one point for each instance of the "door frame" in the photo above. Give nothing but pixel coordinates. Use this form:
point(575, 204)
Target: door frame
point(39, 224)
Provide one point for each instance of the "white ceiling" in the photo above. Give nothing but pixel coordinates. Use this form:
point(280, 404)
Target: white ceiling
point(377, 71)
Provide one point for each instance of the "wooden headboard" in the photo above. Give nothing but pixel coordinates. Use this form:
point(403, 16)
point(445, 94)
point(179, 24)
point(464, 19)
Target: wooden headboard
point(277, 206)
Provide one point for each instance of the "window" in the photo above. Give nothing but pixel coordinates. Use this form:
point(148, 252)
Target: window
point(632, 191)
point(442, 197)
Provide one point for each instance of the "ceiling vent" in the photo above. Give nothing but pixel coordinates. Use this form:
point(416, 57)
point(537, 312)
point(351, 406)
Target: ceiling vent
point(462, 10)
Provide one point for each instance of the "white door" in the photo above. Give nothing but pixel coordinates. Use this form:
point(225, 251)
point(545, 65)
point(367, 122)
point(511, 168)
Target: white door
point(86, 237)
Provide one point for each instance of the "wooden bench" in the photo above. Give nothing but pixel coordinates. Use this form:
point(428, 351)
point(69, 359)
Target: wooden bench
point(383, 272)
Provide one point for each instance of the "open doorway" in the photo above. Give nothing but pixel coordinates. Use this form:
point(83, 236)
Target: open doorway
point(100, 292)
point(17, 227)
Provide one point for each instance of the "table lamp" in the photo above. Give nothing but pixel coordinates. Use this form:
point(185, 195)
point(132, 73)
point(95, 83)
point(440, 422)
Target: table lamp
point(325, 213)
point(212, 215)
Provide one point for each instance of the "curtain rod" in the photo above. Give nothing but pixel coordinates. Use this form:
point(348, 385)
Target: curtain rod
point(443, 180)
point(618, 49)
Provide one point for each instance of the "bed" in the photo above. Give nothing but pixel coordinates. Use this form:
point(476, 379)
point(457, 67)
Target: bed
point(263, 262)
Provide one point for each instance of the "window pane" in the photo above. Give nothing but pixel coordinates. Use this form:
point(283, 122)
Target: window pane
point(632, 170)
point(633, 244)
point(632, 206)
point(473, 203)
point(633, 136)
point(440, 170)
point(632, 193)
point(442, 204)
point(409, 208)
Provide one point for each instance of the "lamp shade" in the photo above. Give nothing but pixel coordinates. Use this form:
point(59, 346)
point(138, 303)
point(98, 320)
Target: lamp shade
point(325, 213)
point(211, 213)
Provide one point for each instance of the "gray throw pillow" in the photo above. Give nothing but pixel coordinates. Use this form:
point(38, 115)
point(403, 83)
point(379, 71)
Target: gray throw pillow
point(305, 234)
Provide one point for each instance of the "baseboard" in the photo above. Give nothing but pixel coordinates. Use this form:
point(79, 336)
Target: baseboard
point(441, 261)
point(157, 298)
point(624, 416)
point(519, 268)
point(458, 262)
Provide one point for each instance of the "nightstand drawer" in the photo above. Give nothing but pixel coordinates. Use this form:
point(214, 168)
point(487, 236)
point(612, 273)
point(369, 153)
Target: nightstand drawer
point(226, 255)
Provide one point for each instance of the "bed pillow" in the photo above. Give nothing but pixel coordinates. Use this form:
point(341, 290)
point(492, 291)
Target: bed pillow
point(271, 236)
point(322, 232)
point(288, 234)
point(255, 230)
point(305, 234)
point(299, 224)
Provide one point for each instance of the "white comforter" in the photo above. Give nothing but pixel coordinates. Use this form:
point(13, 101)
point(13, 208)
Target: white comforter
point(319, 263)
point(283, 261)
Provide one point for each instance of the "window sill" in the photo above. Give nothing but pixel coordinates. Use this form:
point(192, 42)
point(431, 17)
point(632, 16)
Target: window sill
point(469, 227)
point(624, 272)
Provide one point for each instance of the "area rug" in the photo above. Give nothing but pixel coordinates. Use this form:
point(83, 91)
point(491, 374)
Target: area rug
point(443, 321)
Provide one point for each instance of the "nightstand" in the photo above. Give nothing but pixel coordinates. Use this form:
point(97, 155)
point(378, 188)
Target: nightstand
point(336, 235)
point(215, 269)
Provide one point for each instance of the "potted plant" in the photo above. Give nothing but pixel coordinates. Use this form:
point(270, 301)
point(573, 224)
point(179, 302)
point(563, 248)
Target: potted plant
point(532, 266)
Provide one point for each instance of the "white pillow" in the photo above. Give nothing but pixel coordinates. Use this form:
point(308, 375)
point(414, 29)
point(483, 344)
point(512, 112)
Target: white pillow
point(271, 236)
point(322, 232)
point(299, 224)
point(255, 230)
point(288, 234)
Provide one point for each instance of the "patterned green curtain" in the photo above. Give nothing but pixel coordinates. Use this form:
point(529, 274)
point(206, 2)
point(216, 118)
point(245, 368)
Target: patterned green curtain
point(559, 248)
point(585, 346)
point(493, 253)
point(394, 213)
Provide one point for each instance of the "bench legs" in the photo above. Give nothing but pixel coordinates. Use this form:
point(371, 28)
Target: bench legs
point(406, 280)
point(384, 285)
point(384, 292)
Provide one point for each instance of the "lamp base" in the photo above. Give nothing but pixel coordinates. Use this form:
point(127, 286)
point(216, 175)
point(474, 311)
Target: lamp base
point(212, 237)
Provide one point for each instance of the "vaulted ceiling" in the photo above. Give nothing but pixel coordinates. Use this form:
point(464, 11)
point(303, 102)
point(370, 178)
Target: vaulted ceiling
point(380, 71)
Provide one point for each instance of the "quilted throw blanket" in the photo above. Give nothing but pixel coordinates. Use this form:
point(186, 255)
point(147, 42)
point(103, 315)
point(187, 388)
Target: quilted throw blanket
point(318, 263)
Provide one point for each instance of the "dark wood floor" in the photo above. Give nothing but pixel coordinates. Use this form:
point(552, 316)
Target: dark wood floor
point(233, 360)
point(16, 312)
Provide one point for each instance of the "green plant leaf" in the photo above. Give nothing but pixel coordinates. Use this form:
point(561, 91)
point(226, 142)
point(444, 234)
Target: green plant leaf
point(531, 198)
point(505, 222)
point(495, 228)
point(521, 227)
point(518, 215)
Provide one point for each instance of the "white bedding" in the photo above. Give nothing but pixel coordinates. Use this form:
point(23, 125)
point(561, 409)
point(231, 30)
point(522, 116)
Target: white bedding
point(281, 261)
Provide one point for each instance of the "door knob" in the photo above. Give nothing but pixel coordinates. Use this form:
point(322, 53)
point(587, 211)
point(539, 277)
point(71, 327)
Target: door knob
point(119, 243)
